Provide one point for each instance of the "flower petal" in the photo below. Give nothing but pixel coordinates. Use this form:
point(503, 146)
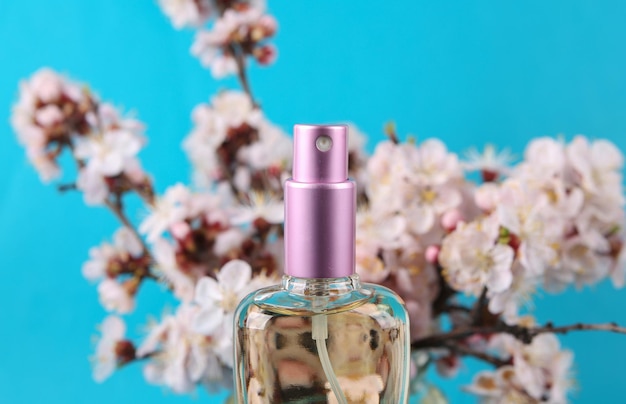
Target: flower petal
point(208, 321)
point(235, 275)
point(207, 292)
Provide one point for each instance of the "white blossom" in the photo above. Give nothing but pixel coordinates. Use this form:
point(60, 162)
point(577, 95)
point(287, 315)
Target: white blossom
point(374, 234)
point(489, 161)
point(235, 108)
point(109, 153)
point(125, 243)
point(116, 296)
point(508, 302)
point(524, 216)
point(228, 240)
point(540, 372)
point(219, 298)
point(422, 182)
point(580, 265)
point(544, 158)
point(182, 358)
point(250, 24)
point(182, 284)
point(39, 123)
point(434, 165)
point(598, 165)
point(472, 258)
point(229, 110)
point(186, 13)
point(389, 170)
point(273, 147)
point(93, 185)
point(172, 207)
point(428, 204)
point(261, 206)
point(105, 359)
point(46, 167)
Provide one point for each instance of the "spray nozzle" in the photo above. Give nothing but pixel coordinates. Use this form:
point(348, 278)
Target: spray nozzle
point(320, 154)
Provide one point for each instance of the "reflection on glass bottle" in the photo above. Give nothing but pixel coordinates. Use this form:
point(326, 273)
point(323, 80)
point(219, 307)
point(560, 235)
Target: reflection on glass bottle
point(277, 359)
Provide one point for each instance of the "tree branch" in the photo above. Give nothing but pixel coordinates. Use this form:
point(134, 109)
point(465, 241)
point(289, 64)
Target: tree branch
point(118, 210)
point(464, 350)
point(549, 327)
point(114, 204)
point(67, 187)
point(523, 334)
point(240, 60)
point(479, 306)
point(449, 308)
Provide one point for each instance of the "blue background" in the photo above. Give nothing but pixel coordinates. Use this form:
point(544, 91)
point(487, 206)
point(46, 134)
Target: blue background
point(468, 72)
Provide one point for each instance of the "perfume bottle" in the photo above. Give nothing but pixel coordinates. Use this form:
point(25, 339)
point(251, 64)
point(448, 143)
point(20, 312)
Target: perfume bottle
point(321, 336)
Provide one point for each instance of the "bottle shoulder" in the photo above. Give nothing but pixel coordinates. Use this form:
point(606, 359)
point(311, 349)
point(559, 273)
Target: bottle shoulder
point(276, 300)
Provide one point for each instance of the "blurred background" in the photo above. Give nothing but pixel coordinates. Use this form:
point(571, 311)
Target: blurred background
point(468, 73)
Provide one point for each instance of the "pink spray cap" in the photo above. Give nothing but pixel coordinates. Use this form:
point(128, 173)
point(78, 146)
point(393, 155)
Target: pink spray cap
point(320, 205)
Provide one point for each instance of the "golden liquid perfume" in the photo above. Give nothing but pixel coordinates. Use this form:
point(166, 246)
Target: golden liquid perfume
point(321, 336)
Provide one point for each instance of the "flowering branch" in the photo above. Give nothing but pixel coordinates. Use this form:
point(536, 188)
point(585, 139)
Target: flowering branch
point(524, 334)
point(465, 350)
point(113, 201)
point(241, 72)
point(423, 229)
point(67, 187)
point(117, 208)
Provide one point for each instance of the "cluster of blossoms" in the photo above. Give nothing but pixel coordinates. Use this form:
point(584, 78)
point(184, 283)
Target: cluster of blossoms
point(415, 196)
point(54, 114)
point(232, 141)
point(120, 267)
point(190, 347)
point(241, 29)
point(193, 234)
point(538, 372)
point(557, 219)
point(50, 112)
point(553, 220)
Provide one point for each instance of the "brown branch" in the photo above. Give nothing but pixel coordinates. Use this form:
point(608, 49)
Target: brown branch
point(231, 180)
point(523, 334)
point(114, 202)
point(449, 308)
point(390, 131)
point(117, 208)
point(67, 187)
point(478, 308)
point(439, 340)
point(464, 350)
point(240, 60)
point(445, 293)
point(564, 329)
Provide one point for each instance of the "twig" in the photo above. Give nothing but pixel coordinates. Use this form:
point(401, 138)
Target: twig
point(116, 206)
point(390, 131)
point(231, 181)
point(241, 71)
point(564, 329)
point(445, 293)
point(479, 308)
point(118, 210)
point(67, 187)
point(524, 334)
point(455, 307)
point(483, 356)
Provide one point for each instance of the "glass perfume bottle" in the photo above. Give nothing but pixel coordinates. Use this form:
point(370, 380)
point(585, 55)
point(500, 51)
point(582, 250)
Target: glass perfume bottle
point(321, 336)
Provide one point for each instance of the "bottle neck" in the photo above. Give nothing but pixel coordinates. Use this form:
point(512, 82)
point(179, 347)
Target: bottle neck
point(321, 286)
